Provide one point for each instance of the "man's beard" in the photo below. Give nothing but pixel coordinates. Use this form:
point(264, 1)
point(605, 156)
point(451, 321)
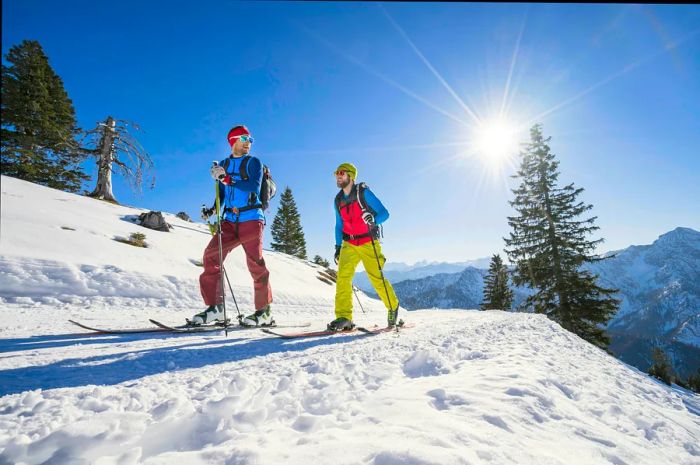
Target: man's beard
point(343, 184)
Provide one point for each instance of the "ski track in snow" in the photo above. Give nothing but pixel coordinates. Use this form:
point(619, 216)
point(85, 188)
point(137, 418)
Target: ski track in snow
point(461, 387)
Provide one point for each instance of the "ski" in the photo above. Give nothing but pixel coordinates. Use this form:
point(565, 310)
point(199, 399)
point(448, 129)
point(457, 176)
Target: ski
point(118, 331)
point(357, 330)
point(163, 328)
point(324, 332)
point(385, 329)
point(217, 327)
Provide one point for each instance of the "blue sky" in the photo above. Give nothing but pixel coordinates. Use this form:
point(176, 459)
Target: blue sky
point(397, 89)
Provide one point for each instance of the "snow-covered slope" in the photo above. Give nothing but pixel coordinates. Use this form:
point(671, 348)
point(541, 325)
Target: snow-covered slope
point(461, 387)
point(57, 250)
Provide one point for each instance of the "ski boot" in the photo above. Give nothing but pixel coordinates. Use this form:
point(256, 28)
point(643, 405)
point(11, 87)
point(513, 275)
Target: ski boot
point(213, 313)
point(391, 318)
point(261, 317)
point(341, 324)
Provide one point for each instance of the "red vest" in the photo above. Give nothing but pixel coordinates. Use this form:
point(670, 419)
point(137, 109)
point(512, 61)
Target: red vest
point(351, 213)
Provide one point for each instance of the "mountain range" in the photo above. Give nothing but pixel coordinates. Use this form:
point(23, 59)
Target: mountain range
point(396, 272)
point(659, 288)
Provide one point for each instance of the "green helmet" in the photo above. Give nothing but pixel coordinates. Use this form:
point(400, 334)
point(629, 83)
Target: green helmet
point(348, 168)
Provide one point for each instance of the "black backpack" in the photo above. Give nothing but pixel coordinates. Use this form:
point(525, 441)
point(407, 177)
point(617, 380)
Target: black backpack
point(268, 188)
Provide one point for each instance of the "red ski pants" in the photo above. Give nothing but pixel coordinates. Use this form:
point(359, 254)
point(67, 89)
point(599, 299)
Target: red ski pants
point(249, 234)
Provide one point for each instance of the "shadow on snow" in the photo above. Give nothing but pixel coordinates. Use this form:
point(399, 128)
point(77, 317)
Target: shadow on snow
point(115, 368)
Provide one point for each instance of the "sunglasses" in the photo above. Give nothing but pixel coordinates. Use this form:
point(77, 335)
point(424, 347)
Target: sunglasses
point(340, 173)
point(246, 139)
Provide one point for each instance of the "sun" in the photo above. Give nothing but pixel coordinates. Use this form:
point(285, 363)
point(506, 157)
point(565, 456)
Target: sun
point(496, 142)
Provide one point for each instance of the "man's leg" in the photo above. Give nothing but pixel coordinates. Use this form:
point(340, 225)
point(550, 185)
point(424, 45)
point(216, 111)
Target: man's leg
point(369, 261)
point(349, 258)
point(210, 279)
point(251, 234)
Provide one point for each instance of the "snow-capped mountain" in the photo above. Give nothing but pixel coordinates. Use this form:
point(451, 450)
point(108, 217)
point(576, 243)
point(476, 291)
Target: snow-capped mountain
point(449, 290)
point(397, 272)
point(659, 287)
point(484, 388)
point(660, 284)
point(444, 290)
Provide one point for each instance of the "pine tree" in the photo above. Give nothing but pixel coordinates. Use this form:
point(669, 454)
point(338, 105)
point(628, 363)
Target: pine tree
point(549, 246)
point(693, 382)
point(497, 294)
point(661, 368)
point(319, 260)
point(39, 127)
point(287, 235)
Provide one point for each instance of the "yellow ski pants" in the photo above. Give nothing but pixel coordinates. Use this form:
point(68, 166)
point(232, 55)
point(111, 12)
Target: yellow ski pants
point(350, 256)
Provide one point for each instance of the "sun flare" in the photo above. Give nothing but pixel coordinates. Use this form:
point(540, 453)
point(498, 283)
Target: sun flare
point(496, 142)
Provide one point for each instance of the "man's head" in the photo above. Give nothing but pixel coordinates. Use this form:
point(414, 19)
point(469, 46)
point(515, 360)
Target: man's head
point(240, 140)
point(345, 174)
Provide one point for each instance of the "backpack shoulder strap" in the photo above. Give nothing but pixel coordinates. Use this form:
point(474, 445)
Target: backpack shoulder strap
point(361, 198)
point(226, 164)
point(338, 196)
point(243, 169)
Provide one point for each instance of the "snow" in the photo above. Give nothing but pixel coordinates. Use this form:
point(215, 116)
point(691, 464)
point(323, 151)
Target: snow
point(461, 387)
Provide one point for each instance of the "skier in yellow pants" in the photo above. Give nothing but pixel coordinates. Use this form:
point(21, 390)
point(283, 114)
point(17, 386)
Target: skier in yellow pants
point(358, 213)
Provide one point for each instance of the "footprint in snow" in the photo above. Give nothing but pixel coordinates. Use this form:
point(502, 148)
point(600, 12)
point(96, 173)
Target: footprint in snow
point(424, 363)
point(442, 401)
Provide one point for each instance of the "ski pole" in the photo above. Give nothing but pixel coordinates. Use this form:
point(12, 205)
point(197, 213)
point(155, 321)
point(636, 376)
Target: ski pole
point(221, 254)
point(232, 295)
point(354, 290)
point(386, 289)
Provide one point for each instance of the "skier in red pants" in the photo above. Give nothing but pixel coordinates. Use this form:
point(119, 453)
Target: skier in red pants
point(243, 222)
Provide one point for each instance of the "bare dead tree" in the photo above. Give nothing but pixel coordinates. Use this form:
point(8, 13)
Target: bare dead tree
point(114, 145)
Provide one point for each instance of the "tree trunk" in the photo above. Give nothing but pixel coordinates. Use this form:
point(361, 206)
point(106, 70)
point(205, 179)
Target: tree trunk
point(103, 190)
point(564, 312)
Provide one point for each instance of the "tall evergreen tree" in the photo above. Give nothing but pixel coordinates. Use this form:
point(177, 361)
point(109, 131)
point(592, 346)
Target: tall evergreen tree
point(287, 235)
point(497, 293)
point(549, 244)
point(39, 127)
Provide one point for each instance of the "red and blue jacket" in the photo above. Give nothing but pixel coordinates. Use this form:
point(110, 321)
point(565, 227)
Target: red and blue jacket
point(348, 216)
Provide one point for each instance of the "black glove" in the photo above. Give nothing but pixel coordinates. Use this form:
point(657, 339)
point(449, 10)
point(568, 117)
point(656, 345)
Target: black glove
point(336, 257)
point(207, 212)
point(368, 218)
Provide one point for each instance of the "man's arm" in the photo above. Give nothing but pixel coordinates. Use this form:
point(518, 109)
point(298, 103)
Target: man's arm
point(381, 214)
point(338, 226)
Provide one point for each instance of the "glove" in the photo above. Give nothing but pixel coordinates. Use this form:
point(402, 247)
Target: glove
point(336, 257)
point(207, 212)
point(218, 173)
point(368, 218)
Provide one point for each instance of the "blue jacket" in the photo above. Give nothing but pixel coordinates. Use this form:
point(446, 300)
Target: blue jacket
point(242, 192)
point(373, 203)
